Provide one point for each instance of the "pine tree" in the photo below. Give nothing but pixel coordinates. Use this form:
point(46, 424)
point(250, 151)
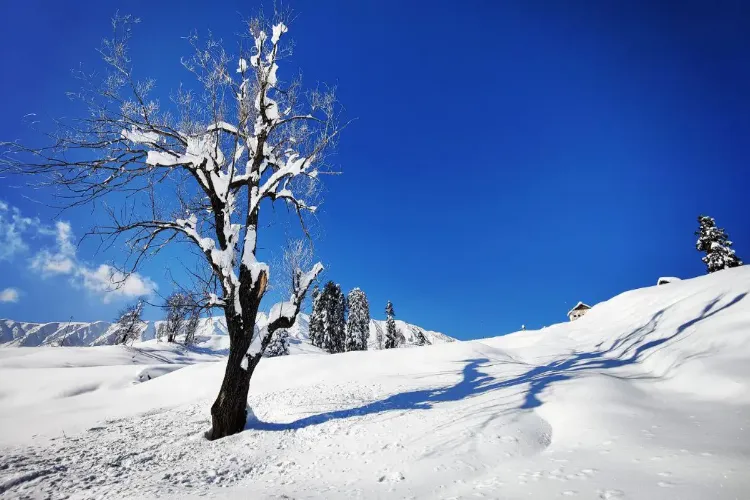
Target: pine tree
point(715, 243)
point(338, 319)
point(279, 345)
point(358, 323)
point(316, 318)
point(326, 312)
point(333, 315)
point(391, 334)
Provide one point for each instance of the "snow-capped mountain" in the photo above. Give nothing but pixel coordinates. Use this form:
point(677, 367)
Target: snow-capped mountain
point(211, 331)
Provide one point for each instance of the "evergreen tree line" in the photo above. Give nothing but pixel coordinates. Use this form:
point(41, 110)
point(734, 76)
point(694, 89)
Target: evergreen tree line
point(341, 323)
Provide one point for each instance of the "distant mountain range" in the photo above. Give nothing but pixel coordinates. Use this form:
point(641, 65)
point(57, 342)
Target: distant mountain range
point(211, 331)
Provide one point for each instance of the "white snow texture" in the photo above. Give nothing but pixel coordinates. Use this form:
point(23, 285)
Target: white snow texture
point(645, 397)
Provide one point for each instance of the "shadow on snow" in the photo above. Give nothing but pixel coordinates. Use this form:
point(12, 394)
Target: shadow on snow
point(626, 350)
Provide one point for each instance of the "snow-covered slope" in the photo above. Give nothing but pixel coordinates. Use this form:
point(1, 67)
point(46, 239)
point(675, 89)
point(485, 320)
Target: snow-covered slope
point(645, 397)
point(211, 331)
point(377, 327)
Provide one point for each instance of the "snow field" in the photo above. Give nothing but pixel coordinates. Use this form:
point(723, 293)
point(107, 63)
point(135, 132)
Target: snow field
point(645, 397)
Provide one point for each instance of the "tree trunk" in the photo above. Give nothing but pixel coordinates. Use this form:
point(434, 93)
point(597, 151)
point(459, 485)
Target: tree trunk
point(229, 411)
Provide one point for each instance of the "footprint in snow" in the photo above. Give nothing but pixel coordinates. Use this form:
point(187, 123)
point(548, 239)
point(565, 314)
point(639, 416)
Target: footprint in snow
point(392, 477)
point(611, 494)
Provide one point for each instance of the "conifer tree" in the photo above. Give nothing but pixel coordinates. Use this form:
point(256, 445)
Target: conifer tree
point(326, 313)
point(715, 243)
point(358, 322)
point(333, 315)
point(339, 319)
point(391, 334)
point(316, 318)
point(279, 345)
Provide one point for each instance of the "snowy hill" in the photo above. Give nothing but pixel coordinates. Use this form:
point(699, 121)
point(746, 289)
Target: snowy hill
point(645, 397)
point(211, 334)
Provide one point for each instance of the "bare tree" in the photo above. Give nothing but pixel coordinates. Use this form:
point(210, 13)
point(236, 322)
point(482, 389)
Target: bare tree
point(297, 255)
point(128, 323)
point(161, 331)
point(201, 170)
point(180, 307)
point(191, 326)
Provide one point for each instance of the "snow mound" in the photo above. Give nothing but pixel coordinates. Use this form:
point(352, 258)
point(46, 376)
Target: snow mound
point(647, 396)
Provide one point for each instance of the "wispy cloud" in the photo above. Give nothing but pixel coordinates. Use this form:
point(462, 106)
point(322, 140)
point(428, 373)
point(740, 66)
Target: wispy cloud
point(9, 295)
point(12, 228)
point(61, 258)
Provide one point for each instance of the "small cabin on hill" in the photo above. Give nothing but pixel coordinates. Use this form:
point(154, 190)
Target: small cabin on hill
point(579, 310)
point(667, 279)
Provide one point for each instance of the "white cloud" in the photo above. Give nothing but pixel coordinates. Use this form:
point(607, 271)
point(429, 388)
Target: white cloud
point(12, 227)
point(9, 295)
point(61, 259)
point(113, 284)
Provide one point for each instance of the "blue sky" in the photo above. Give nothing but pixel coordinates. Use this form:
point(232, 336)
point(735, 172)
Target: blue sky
point(508, 159)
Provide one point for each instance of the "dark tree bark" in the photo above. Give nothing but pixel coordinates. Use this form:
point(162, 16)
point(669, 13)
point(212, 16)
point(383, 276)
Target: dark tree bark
point(229, 411)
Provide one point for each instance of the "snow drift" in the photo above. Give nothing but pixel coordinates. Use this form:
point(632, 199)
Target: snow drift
point(645, 397)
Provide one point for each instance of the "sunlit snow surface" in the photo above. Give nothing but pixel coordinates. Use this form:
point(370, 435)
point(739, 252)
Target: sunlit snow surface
point(645, 397)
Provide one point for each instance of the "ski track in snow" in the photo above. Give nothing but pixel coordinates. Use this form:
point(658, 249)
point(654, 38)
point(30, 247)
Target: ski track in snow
point(646, 397)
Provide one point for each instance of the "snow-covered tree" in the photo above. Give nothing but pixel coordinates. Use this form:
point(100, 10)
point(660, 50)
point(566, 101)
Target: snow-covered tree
point(419, 337)
point(358, 322)
point(191, 326)
point(715, 243)
point(378, 336)
point(161, 331)
point(315, 329)
point(129, 323)
point(199, 166)
point(333, 306)
point(339, 319)
point(179, 307)
point(279, 345)
point(391, 333)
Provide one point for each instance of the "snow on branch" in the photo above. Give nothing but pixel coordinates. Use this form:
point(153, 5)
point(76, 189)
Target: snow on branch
point(245, 135)
point(283, 314)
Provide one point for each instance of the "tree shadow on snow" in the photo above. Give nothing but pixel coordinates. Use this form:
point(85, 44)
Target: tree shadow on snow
point(627, 350)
